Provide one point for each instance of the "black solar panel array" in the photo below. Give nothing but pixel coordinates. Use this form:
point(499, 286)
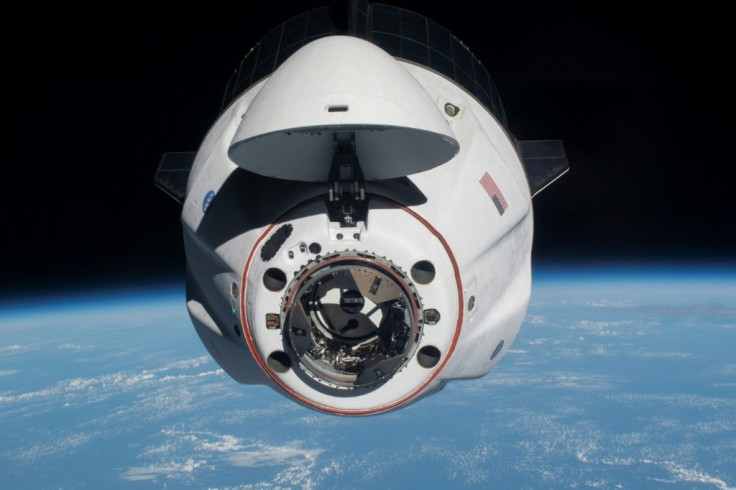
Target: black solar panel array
point(544, 162)
point(173, 173)
point(402, 33)
point(410, 36)
point(276, 46)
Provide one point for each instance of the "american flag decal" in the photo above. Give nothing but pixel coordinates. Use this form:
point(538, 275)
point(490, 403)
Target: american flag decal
point(494, 193)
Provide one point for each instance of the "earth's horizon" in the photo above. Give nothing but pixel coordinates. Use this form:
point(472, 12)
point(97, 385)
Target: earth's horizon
point(618, 378)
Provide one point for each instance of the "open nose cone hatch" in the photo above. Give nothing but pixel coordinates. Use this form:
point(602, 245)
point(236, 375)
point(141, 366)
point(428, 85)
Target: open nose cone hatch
point(352, 321)
point(339, 84)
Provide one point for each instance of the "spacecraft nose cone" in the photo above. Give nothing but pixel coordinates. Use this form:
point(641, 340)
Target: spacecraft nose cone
point(335, 84)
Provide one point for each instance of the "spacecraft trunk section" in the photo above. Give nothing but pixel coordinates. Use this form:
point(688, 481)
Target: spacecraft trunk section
point(358, 230)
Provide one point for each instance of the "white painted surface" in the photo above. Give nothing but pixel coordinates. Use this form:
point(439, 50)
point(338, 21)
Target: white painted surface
point(341, 84)
point(492, 251)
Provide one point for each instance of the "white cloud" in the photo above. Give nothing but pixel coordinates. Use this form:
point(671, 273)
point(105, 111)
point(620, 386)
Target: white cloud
point(262, 454)
point(168, 470)
point(606, 324)
point(728, 369)
point(556, 380)
point(116, 382)
point(186, 363)
point(597, 484)
point(603, 328)
point(601, 351)
point(712, 427)
point(8, 372)
point(75, 347)
point(315, 420)
point(667, 355)
point(199, 442)
point(679, 473)
point(685, 400)
point(16, 348)
point(224, 444)
point(603, 303)
point(618, 461)
point(688, 475)
point(295, 463)
point(581, 382)
point(33, 452)
point(178, 377)
point(536, 319)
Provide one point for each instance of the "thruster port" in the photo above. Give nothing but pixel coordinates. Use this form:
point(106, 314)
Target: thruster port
point(423, 272)
point(279, 361)
point(274, 279)
point(428, 356)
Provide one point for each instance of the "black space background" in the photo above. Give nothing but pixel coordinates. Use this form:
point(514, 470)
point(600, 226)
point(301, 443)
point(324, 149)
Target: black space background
point(94, 92)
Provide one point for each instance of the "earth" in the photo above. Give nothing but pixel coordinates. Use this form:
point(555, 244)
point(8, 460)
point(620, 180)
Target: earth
point(618, 379)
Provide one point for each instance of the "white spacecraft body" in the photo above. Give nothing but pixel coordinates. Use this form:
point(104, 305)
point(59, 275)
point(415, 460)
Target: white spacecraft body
point(358, 231)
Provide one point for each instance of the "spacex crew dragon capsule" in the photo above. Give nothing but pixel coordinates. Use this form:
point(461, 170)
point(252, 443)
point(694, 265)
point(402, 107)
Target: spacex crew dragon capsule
point(358, 221)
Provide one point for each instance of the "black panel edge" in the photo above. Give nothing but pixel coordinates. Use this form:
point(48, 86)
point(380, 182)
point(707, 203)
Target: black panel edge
point(172, 173)
point(544, 162)
point(355, 18)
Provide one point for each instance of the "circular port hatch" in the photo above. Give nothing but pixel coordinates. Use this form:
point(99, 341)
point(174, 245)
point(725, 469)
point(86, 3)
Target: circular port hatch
point(351, 320)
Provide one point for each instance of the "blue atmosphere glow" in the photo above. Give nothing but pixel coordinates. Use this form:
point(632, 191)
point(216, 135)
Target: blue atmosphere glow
point(619, 377)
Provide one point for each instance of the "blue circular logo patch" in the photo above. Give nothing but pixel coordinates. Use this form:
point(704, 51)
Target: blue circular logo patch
point(208, 201)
